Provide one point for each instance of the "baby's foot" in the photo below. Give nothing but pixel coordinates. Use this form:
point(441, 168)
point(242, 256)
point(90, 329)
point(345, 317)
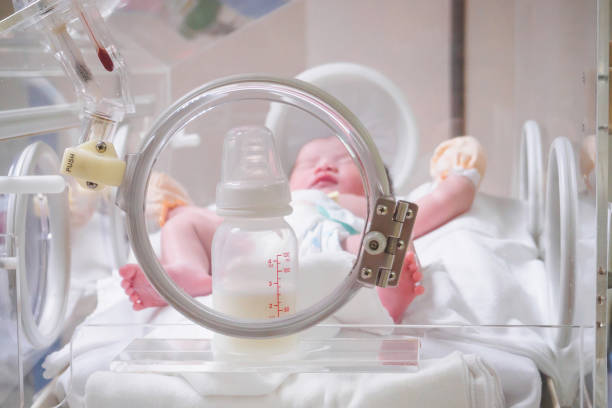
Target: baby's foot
point(143, 295)
point(397, 299)
point(138, 288)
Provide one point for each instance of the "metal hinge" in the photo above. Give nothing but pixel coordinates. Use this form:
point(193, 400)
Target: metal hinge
point(386, 242)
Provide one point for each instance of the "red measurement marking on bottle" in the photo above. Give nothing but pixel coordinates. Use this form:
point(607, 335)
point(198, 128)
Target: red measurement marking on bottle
point(276, 263)
point(277, 288)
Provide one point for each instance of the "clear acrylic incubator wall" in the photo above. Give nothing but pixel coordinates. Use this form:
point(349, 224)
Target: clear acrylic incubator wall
point(304, 203)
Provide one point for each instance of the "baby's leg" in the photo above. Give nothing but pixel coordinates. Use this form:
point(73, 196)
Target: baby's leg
point(186, 242)
point(397, 299)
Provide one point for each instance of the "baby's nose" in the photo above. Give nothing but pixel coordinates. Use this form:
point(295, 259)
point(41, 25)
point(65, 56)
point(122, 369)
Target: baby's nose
point(325, 166)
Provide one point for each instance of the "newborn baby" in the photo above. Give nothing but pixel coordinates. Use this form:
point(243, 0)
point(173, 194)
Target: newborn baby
point(323, 165)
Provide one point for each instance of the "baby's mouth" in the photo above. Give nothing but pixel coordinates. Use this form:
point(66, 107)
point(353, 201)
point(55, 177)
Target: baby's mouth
point(323, 181)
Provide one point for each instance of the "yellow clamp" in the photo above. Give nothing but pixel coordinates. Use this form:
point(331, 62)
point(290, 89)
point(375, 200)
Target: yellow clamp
point(94, 164)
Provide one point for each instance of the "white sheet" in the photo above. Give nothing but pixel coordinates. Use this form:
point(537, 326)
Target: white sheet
point(483, 268)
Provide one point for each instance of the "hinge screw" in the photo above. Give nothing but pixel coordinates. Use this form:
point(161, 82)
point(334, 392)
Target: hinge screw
point(400, 244)
point(392, 276)
point(409, 214)
point(381, 209)
point(366, 273)
point(91, 185)
point(101, 147)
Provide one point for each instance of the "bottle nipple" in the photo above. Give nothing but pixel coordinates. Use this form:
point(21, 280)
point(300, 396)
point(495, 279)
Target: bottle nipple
point(253, 183)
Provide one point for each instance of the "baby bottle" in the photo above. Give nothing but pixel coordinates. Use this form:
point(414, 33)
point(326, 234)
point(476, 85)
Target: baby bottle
point(254, 250)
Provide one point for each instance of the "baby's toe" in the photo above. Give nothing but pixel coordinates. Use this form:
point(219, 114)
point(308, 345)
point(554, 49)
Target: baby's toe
point(419, 290)
point(417, 276)
point(128, 271)
point(136, 301)
point(126, 284)
point(129, 291)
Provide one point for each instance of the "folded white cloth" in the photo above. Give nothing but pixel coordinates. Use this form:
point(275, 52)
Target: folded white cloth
point(520, 378)
point(456, 380)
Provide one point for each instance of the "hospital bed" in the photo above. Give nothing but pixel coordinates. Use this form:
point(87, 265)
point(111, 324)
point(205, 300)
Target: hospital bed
point(552, 222)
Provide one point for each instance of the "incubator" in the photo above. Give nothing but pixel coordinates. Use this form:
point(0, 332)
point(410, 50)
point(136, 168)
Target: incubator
point(325, 293)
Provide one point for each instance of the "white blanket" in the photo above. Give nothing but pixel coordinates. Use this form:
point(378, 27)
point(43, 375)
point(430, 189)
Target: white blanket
point(454, 381)
point(483, 269)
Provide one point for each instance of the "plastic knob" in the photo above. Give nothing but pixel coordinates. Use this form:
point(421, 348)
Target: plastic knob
point(94, 164)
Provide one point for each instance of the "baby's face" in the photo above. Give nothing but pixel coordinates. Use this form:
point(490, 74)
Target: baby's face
point(324, 164)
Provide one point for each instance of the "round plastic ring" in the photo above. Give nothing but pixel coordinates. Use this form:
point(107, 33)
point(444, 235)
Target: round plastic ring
point(560, 235)
point(531, 175)
point(292, 92)
point(41, 327)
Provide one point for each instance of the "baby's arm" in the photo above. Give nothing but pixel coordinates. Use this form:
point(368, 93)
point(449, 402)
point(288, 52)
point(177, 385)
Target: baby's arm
point(452, 197)
point(356, 204)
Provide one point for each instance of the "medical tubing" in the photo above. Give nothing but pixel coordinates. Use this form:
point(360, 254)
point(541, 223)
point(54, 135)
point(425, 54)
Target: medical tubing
point(240, 88)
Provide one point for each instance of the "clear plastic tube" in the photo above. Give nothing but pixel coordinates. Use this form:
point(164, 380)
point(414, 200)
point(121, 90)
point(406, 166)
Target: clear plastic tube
point(101, 106)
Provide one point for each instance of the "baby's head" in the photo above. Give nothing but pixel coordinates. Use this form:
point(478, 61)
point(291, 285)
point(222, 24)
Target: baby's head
point(325, 164)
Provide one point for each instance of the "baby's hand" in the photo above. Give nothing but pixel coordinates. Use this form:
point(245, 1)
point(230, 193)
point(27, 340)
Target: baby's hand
point(396, 299)
point(462, 155)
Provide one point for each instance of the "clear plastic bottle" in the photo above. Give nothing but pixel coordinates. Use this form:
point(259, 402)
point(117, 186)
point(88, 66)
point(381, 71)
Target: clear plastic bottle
point(254, 250)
